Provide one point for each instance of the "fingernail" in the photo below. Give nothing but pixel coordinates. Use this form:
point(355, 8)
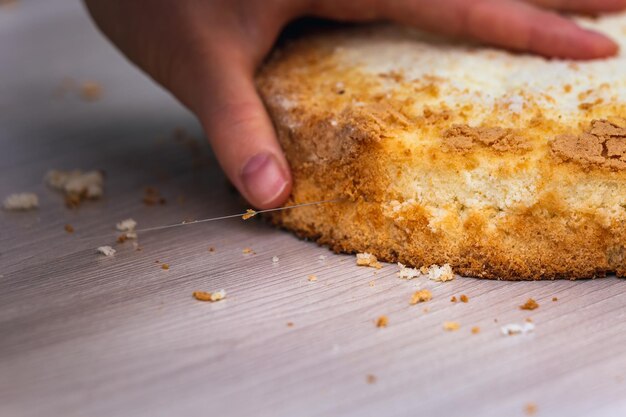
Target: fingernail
point(263, 178)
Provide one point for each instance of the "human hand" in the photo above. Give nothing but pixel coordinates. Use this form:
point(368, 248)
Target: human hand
point(207, 51)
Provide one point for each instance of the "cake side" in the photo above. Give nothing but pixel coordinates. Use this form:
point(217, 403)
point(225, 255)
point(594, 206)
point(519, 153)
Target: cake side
point(521, 191)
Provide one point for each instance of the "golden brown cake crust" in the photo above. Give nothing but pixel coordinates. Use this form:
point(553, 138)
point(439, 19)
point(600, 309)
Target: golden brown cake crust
point(341, 134)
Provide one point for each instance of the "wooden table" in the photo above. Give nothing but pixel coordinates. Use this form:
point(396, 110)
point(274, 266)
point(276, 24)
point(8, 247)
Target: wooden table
point(85, 335)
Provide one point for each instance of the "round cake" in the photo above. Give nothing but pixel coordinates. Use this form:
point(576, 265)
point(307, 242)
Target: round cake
point(505, 166)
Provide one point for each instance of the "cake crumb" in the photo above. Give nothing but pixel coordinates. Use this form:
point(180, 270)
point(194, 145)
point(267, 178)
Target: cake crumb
point(367, 259)
point(555, 299)
point(21, 202)
point(440, 273)
point(211, 249)
point(290, 324)
point(127, 225)
point(372, 283)
point(248, 251)
point(249, 214)
point(152, 197)
point(475, 330)
point(76, 185)
point(530, 304)
point(530, 409)
point(275, 259)
point(382, 321)
point(407, 273)
point(209, 296)
point(69, 228)
point(464, 298)
point(312, 278)
point(370, 379)
point(453, 299)
point(515, 329)
point(451, 326)
point(421, 296)
point(90, 91)
point(165, 266)
point(321, 257)
point(106, 250)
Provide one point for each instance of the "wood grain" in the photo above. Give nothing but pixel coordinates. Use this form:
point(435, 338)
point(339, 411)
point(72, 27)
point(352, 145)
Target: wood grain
point(83, 335)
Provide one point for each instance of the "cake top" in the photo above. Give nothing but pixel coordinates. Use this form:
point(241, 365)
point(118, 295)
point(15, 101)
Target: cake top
point(425, 92)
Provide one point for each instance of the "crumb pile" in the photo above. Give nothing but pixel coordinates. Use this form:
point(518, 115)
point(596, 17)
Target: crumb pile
point(76, 185)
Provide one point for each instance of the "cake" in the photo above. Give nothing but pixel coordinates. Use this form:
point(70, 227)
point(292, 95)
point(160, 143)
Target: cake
point(505, 166)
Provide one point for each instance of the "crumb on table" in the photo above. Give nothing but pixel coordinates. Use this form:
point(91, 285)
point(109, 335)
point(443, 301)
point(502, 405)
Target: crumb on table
point(421, 296)
point(91, 90)
point(127, 225)
point(464, 298)
point(165, 266)
point(530, 409)
point(312, 278)
point(69, 228)
point(21, 202)
point(451, 326)
point(370, 379)
point(106, 250)
point(382, 321)
point(408, 273)
point(515, 329)
point(440, 273)
point(209, 296)
point(367, 259)
point(475, 330)
point(530, 304)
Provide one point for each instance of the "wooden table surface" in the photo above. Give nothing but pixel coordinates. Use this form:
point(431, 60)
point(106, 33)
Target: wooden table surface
point(85, 335)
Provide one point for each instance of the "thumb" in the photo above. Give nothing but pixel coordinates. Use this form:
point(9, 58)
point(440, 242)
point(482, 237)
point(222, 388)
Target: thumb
point(241, 133)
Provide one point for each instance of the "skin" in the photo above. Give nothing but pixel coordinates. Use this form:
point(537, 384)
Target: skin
point(206, 53)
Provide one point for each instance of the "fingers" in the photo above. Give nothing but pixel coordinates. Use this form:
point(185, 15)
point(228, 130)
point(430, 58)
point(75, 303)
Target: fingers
point(242, 135)
point(525, 28)
point(582, 6)
point(507, 23)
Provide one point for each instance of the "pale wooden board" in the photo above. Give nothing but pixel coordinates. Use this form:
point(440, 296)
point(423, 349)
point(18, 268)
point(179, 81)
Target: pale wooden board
point(81, 335)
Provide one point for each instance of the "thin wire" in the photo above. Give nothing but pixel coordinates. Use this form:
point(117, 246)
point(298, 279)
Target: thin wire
point(231, 216)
